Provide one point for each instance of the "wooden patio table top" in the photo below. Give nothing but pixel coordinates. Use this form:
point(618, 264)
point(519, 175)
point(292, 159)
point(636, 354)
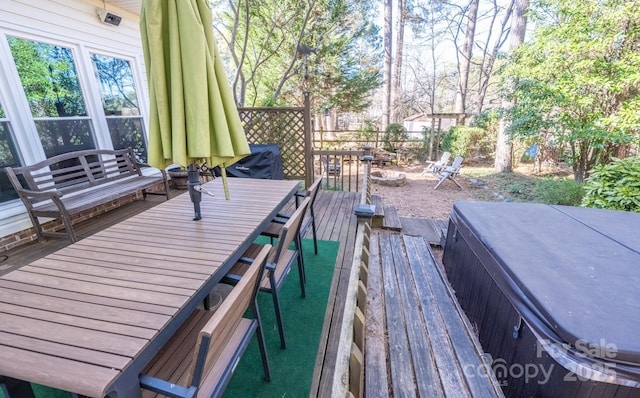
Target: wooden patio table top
point(89, 317)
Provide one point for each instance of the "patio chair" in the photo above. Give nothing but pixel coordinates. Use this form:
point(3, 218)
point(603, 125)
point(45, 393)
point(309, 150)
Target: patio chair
point(279, 263)
point(201, 356)
point(309, 220)
point(437, 166)
point(450, 172)
point(332, 166)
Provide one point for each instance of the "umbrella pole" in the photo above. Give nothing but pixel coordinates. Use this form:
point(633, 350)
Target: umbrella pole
point(193, 180)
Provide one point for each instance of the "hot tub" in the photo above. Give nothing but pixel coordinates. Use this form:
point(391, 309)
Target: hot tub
point(554, 293)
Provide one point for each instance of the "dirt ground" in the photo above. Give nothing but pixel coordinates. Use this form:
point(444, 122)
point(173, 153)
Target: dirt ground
point(417, 198)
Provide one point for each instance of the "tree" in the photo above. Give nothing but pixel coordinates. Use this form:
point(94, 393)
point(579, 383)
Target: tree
point(504, 148)
point(490, 49)
point(576, 82)
point(388, 44)
point(464, 65)
point(430, 83)
point(274, 49)
point(396, 89)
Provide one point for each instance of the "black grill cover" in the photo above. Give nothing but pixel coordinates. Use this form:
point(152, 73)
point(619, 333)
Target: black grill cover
point(264, 162)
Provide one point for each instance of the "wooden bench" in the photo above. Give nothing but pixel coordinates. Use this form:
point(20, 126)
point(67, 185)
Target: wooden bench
point(200, 358)
point(73, 182)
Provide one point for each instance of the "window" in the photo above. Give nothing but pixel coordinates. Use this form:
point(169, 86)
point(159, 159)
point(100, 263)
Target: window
point(120, 104)
point(50, 81)
point(63, 89)
point(8, 158)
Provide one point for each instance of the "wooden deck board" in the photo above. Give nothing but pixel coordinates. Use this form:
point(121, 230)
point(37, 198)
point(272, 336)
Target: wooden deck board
point(424, 368)
point(419, 342)
point(402, 382)
point(464, 344)
point(391, 220)
point(376, 344)
point(429, 228)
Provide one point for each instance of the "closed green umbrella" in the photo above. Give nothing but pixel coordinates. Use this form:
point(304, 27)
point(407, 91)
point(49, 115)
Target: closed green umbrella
point(193, 116)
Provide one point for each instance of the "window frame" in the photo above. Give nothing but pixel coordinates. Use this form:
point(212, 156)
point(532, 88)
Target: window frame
point(17, 110)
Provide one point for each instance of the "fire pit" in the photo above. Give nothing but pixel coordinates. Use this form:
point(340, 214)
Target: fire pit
point(390, 179)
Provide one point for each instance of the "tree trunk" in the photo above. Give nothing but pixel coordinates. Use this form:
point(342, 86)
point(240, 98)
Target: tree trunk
point(386, 104)
point(504, 148)
point(467, 51)
point(397, 75)
point(580, 164)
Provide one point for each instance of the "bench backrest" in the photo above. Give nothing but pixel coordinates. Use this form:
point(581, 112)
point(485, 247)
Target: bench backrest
point(216, 334)
point(73, 171)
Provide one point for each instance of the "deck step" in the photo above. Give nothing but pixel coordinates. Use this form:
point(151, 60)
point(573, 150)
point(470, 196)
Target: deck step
point(378, 216)
point(391, 220)
point(442, 226)
point(434, 230)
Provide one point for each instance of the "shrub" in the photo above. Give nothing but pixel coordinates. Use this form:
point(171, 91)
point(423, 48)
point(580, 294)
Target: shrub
point(519, 189)
point(468, 142)
point(556, 191)
point(395, 135)
point(367, 132)
point(614, 186)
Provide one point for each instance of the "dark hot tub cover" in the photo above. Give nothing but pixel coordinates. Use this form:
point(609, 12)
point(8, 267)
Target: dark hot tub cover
point(573, 275)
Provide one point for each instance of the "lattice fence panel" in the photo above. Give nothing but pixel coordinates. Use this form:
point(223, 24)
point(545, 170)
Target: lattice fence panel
point(282, 126)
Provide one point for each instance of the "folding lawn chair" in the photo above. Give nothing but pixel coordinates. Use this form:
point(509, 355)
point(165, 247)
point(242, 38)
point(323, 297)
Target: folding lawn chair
point(435, 167)
point(450, 172)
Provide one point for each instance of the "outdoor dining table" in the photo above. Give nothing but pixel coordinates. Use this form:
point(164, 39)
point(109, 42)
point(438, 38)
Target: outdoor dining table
point(89, 317)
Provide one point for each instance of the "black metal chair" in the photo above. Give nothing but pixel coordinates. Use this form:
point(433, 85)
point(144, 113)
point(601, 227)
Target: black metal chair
point(201, 356)
point(309, 220)
point(279, 262)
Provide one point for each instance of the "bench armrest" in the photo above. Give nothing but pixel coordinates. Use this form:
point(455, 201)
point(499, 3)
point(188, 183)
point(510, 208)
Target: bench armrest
point(39, 194)
point(140, 165)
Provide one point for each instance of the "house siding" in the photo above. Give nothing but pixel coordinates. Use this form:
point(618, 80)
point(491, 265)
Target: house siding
point(73, 24)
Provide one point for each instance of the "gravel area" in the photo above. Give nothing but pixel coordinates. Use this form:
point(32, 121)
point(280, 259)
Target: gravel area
point(417, 198)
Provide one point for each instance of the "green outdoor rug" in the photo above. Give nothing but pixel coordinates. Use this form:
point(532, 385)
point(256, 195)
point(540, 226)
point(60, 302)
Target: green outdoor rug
point(291, 369)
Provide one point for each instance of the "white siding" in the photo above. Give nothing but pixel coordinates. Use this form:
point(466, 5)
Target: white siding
point(73, 24)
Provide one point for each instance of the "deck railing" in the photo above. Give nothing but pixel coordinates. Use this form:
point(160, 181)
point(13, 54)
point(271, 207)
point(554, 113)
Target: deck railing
point(348, 377)
point(342, 170)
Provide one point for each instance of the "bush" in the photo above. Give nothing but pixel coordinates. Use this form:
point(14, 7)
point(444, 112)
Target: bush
point(468, 142)
point(614, 186)
point(556, 191)
point(395, 135)
point(519, 189)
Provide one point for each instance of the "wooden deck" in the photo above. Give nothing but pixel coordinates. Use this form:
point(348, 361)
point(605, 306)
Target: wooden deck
point(336, 221)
